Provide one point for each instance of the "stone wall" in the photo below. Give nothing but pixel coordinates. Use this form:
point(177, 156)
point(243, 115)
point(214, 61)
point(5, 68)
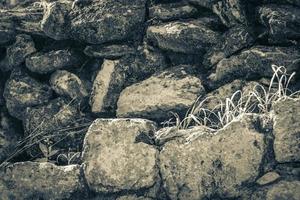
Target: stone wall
point(89, 90)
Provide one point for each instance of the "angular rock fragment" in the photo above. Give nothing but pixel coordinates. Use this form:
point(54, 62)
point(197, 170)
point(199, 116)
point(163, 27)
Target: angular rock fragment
point(172, 11)
point(256, 62)
point(268, 178)
point(22, 91)
point(68, 84)
point(173, 90)
point(108, 52)
point(114, 157)
point(192, 37)
point(29, 180)
point(44, 63)
point(287, 130)
point(100, 21)
point(213, 165)
point(281, 22)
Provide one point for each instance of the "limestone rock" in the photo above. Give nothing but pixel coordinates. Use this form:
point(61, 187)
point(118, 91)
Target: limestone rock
point(44, 63)
point(281, 22)
point(192, 37)
point(101, 21)
point(114, 157)
point(172, 11)
point(108, 52)
point(174, 90)
point(256, 62)
point(22, 91)
point(213, 164)
point(268, 178)
point(67, 84)
point(47, 181)
point(287, 130)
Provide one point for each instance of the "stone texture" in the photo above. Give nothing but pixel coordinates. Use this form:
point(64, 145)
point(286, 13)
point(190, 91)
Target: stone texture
point(204, 3)
point(172, 11)
point(255, 62)
point(213, 164)
point(268, 178)
point(173, 90)
point(233, 40)
point(44, 63)
point(192, 37)
point(287, 130)
point(22, 91)
point(67, 84)
point(31, 180)
point(98, 22)
point(114, 157)
point(281, 22)
point(108, 52)
point(133, 197)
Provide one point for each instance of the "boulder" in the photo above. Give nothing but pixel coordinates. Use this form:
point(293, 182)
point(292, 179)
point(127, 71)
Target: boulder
point(44, 63)
point(22, 91)
point(192, 37)
point(116, 158)
point(67, 84)
point(108, 52)
point(255, 62)
point(29, 180)
point(287, 130)
point(281, 22)
point(100, 21)
point(213, 165)
point(175, 90)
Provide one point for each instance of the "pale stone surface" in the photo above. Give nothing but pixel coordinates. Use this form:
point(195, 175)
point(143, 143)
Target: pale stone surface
point(268, 178)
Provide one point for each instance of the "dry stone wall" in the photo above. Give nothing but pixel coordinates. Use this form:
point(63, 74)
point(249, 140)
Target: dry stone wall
point(88, 88)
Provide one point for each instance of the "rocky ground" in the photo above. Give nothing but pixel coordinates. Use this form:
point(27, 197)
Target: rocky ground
point(89, 90)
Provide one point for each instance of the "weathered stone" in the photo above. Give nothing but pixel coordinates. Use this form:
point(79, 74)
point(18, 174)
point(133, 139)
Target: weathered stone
point(172, 11)
point(184, 59)
point(17, 52)
point(108, 52)
point(287, 130)
point(22, 91)
point(100, 21)
point(114, 157)
point(67, 84)
point(234, 40)
point(213, 165)
point(256, 62)
point(281, 22)
point(192, 37)
point(55, 23)
point(29, 180)
point(268, 178)
point(44, 63)
point(173, 90)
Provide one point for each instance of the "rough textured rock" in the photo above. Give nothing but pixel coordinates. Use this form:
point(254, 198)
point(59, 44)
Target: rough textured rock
point(256, 62)
point(234, 40)
point(281, 22)
point(31, 180)
point(114, 157)
point(44, 63)
point(191, 37)
point(287, 130)
point(22, 91)
point(268, 178)
point(213, 165)
point(17, 52)
point(67, 84)
point(174, 90)
point(98, 23)
point(108, 52)
point(167, 12)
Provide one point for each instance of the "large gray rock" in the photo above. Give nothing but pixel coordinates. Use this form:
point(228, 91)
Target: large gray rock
point(174, 90)
point(287, 130)
point(101, 21)
point(108, 52)
point(256, 62)
point(192, 37)
point(281, 22)
point(29, 180)
point(44, 63)
point(116, 159)
point(213, 165)
point(22, 91)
